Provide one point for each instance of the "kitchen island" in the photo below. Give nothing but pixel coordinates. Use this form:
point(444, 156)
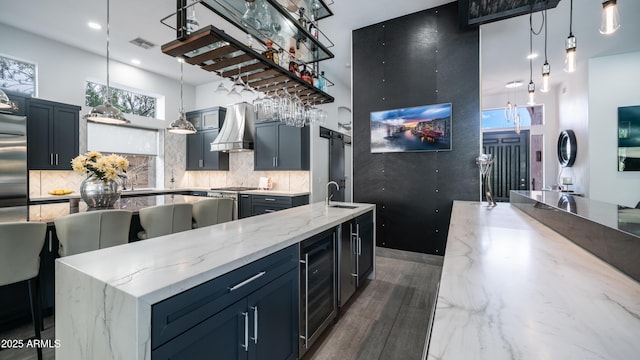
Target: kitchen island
point(104, 299)
point(511, 288)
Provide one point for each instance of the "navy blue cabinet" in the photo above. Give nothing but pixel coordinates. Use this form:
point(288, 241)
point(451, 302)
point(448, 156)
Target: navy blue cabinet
point(52, 134)
point(249, 313)
point(281, 147)
point(199, 154)
point(264, 204)
point(244, 206)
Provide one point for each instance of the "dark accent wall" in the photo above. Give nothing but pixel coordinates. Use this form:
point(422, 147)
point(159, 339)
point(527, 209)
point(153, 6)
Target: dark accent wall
point(418, 59)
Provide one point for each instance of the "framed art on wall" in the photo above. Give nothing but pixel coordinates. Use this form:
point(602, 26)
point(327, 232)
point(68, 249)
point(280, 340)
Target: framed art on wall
point(421, 128)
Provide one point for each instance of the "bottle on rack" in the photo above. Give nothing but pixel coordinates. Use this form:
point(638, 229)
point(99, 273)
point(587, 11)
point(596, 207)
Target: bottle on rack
point(314, 75)
point(283, 59)
point(322, 82)
point(305, 74)
point(271, 53)
point(313, 27)
point(301, 19)
point(293, 64)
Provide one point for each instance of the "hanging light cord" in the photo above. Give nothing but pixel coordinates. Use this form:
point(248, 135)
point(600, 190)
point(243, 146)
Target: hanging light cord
point(108, 89)
point(545, 34)
point(181, 86)
point(571, 19)
point(530, 47)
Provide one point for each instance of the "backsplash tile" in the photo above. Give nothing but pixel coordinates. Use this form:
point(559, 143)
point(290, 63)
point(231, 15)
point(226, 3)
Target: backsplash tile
point(41, 182)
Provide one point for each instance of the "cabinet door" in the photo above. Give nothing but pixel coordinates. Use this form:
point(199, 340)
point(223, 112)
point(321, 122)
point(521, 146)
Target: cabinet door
point(365, 251)
point(292, 149)
point(265, 146)
point(212, 119)
point(213, 160)
point(39, 137)
point(194, 151)
point(244, 206)
point(274, 317)
point(65, 137)
point(222, 336)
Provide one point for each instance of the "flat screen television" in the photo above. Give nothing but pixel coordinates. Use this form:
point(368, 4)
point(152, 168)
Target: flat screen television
point(629, 138)
point(420, 128)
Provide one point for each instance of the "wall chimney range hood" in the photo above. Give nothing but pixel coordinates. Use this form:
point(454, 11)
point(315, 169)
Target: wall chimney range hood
point(237, 130)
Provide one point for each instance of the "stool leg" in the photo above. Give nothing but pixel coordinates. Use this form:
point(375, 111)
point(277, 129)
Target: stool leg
point(39, 304)
point(36, 313)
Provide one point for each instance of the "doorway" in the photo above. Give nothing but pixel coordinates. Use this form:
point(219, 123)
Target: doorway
point(511, 165)
point(339, 145)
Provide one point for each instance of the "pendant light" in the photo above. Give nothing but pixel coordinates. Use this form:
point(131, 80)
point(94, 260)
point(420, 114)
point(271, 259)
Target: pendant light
point(181, 126)
point(570, 46)
point(610, 17)
point(106, 113)
point(532, 87)
point(546, 68)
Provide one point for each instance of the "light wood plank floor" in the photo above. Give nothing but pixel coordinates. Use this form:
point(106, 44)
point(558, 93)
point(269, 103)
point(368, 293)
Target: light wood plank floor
point(387, 319)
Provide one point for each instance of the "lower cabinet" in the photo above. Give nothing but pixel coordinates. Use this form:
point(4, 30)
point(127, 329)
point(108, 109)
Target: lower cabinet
point(244, 206)
point(249, 313)
point(264, 204)
point(355, 255)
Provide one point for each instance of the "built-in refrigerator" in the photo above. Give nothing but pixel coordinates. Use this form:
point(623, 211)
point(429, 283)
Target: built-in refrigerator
point(13, 160)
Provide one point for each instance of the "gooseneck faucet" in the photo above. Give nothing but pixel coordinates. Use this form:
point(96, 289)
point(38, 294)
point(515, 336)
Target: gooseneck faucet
point(327, 197)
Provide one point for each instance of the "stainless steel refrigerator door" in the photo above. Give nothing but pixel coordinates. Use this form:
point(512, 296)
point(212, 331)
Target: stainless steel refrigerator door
point(13, 160)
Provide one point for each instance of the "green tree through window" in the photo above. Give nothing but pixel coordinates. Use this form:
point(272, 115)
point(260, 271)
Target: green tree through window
point(126, 101)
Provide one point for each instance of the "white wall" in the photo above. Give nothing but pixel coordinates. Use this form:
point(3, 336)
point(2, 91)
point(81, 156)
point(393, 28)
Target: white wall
point(613, 82)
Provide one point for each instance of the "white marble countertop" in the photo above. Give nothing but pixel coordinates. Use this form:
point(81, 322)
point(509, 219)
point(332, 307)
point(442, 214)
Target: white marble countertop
point(511, 288)
point(104, 297)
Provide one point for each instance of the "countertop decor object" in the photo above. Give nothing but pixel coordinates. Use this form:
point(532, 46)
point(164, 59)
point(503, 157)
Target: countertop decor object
point(100, 189)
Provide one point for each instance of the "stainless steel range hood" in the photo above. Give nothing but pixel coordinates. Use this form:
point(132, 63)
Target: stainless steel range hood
point(237, 131)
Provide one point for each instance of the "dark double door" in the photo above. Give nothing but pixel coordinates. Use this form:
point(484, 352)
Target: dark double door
point(510, 169)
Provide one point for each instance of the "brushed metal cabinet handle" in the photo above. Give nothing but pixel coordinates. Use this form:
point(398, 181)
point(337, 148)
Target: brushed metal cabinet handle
point(246, 331)
point(255, 324)
point(243, 283)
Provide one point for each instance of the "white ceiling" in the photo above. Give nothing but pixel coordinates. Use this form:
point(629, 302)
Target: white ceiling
point(504, 44)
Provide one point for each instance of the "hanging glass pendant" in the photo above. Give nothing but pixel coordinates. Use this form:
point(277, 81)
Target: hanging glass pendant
point(610, 17)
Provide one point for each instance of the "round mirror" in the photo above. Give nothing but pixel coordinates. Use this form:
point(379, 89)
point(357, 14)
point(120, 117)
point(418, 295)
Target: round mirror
point(567, 148)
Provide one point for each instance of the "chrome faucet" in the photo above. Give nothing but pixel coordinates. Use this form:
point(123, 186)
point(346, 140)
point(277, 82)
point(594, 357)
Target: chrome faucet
point(327, 197)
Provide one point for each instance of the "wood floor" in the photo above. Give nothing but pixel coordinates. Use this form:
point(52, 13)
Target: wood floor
point(387, 319)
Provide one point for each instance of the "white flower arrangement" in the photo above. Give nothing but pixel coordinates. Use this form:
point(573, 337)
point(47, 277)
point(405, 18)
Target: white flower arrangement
point(105, 167)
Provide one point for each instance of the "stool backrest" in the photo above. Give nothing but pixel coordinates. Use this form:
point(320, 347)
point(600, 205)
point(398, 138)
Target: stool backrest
point(20, 246)
point(165, 219)
point(212, 211)
point(92, 230)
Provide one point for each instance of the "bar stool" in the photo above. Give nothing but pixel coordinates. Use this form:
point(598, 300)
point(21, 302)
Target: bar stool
point(20, 246)
point(92, 230)
point(164, 219)
point(212, 211)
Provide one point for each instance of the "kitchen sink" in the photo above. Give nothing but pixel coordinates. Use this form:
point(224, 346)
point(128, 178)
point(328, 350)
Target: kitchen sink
point(342, 206)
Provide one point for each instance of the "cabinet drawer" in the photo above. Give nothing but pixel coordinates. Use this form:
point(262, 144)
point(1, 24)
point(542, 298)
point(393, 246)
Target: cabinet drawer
point(173, 316)
point(259, 209)
point(273, 200)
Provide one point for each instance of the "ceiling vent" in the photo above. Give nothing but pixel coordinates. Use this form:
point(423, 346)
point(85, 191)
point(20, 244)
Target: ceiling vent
point(142, 43)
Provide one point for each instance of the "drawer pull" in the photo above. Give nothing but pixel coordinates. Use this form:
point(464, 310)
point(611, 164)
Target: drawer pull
point(269, 210)
point(269, 199)
point(254, 277)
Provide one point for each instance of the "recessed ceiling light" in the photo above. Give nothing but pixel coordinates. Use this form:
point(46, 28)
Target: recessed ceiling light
point(532, 56)
point(180, 60)
point(513, 84)
point(94, 25)
point(135, 61)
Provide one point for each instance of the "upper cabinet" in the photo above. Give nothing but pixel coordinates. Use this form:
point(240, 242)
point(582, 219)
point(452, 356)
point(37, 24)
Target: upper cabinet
point(291, 26)
point(52, 134)
point(211, 118)
point(281, 147)
point(199, 156)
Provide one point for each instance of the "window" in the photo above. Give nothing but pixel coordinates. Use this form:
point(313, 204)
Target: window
point(126, 101)
point(17, 75)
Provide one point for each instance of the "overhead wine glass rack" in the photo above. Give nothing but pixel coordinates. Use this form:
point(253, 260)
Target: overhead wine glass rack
point(215, 51)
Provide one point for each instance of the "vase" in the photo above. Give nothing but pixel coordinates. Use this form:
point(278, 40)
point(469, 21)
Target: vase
point(98, 193)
